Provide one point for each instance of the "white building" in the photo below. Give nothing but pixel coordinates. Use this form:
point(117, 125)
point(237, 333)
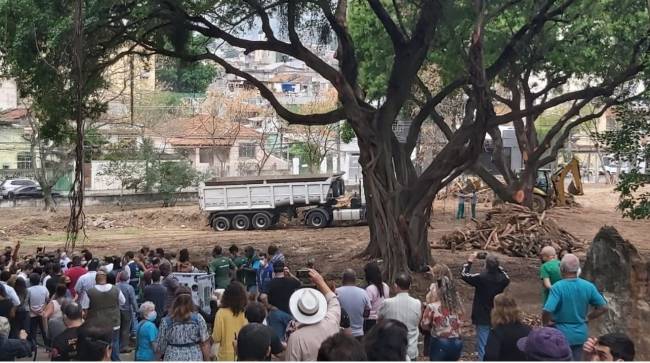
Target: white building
point(8, 94)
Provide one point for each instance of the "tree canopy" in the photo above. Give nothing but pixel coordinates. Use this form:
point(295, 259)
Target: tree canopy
point(186, 77)
point(629, 144)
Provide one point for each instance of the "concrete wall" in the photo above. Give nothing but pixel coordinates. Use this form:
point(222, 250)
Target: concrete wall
point(105, 199)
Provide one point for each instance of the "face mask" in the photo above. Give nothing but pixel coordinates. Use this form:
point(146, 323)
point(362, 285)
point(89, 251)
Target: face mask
point(152, 316)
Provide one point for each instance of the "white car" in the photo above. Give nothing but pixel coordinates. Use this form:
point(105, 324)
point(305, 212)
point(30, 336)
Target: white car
point(10, 185)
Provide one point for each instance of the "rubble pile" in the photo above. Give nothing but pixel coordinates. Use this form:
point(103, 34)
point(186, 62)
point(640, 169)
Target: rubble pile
point(513, 230)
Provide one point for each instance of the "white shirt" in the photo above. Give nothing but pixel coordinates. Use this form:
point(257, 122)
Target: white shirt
point(85, 283)
point(11, 293)
point(407, 310)
point(38, 296)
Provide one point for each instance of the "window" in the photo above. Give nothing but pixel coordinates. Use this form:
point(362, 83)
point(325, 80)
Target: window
point(247, 151)
point(24, 160)
point(610, 123)
point(354, 169)
point(6, 166)
point(205, 156)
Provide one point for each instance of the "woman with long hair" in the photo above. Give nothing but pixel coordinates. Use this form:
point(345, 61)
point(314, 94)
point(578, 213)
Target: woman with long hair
point(21, 320)
point(183, 334)
point(507, 329)
point(442, 316)
point(53, 315)
point(377, 291)
point(229, 320)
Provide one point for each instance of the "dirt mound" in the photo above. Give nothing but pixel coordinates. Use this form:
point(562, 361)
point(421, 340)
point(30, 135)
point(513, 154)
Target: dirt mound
point(149, 218)
point(512, 230)
point(37, 225)
point(183, 217)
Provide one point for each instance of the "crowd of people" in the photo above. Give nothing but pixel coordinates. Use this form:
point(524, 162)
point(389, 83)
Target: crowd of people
point(84, 308)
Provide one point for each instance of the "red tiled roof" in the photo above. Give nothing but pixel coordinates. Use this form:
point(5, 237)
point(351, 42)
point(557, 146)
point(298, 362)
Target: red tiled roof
point(206, 130)
point(13, 115)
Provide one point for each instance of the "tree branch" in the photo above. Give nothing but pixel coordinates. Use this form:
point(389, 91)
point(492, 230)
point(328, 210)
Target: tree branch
point(391, 28)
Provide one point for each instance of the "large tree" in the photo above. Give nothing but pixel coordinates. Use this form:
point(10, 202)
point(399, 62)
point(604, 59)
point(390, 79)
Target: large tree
point(475, 44)
point(593, 51)
point(57, 51)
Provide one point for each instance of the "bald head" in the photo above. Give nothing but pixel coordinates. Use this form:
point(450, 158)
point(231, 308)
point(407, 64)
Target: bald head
point(570, 264)
point(349, 277)
point(548, 253)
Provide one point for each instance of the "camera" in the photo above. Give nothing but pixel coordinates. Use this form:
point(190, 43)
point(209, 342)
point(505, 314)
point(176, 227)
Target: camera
point(302, 274)
point(481, 255)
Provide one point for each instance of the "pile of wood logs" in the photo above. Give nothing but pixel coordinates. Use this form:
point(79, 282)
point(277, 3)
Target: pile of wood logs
point(513, 230)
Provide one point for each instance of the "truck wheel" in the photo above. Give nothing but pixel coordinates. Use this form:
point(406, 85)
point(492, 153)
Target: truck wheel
point(241, 222)
point(317, 219)
point(221, 224)
point(262, 221)
point(539, 203)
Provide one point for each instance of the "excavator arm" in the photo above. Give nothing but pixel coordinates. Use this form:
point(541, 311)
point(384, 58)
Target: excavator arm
point(575, 187)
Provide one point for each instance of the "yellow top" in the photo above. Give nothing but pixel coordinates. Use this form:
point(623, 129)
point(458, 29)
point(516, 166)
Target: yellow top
point(226, 328)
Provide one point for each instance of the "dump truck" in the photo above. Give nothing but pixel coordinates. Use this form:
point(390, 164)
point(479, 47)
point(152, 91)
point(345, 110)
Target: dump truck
point(257, 202)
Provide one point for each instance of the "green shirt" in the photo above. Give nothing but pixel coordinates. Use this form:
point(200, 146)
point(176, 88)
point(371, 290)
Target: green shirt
point(221, 267)
point(240, 261)
point(550, 270)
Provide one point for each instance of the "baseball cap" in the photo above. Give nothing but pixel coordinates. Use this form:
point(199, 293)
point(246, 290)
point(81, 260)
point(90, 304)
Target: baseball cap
point(545, 344)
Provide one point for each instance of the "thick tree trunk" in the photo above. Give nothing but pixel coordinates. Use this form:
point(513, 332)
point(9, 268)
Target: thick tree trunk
point(399, 239)
point(49, 204)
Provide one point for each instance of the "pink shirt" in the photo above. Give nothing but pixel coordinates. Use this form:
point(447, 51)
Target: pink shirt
point(376, 301)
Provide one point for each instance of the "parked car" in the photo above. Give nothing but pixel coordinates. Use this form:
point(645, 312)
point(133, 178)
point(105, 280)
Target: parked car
point(33, 191)
point(8, 186)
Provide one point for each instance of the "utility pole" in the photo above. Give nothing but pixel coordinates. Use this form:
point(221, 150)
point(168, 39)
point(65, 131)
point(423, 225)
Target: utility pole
point(338, 147)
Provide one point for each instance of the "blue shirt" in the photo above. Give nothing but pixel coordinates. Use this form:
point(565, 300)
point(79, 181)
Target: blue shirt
point(147, 333)
point(569, 302)
point(264, 276)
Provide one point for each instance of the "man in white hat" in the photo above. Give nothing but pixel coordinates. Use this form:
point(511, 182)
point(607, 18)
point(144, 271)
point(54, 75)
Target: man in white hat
point(318, 314)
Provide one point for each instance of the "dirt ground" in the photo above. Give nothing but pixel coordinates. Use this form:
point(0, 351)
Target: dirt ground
point(112, 231)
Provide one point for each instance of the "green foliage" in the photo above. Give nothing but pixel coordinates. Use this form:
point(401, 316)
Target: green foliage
point(629, 143)
point(173, 177)
point(141, 167)
point(37, 51)
point(309, 153)
point(592, 38)
point(347, 133)
point(184, 77)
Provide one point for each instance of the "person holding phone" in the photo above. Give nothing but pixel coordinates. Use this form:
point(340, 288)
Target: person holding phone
point(487, 284)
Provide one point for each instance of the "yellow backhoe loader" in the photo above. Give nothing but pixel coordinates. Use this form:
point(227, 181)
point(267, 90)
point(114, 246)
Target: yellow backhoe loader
point(549, 188)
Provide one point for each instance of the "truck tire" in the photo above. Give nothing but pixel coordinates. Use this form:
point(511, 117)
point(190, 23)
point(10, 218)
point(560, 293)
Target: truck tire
point(317, 219)
point(241, 222)
point(221, 224)
point(262, 221)
point(539, 203)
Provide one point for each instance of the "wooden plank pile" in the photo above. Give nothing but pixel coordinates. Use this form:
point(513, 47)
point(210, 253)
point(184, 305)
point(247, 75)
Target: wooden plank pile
point(513, 230)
